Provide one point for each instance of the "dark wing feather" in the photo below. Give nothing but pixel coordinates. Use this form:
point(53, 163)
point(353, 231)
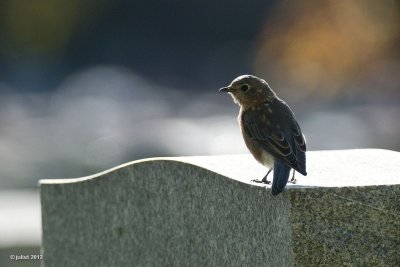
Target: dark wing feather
point(273, 126)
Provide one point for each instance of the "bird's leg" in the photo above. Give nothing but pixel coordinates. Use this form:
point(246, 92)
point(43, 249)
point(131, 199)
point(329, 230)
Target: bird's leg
point(264, 180)
point(293, 180)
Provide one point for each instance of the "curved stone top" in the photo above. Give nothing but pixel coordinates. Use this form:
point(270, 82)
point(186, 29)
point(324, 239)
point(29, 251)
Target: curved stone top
point(205, 211)
point(330, 168)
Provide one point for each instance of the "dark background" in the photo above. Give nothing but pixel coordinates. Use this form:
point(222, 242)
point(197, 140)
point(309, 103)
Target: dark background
point(87, 85)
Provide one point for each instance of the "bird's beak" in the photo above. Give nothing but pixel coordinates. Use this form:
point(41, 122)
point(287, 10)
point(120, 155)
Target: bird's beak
point(225, 89)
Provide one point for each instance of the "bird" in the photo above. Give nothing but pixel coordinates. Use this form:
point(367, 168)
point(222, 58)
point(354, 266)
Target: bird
point(269, 129)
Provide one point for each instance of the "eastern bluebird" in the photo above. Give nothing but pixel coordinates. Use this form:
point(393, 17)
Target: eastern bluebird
point(269, 129)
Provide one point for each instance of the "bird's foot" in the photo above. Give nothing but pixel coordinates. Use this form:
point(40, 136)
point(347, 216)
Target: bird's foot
point(293, 180)
point(262, 181)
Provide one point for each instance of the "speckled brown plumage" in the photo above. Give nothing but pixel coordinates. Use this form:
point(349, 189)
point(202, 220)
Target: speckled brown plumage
point(269, 129)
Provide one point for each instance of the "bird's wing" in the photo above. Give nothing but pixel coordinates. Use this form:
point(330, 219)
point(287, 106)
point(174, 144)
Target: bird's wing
point(273, 126)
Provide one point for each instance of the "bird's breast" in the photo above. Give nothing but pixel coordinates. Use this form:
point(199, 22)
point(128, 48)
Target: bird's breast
point(260, 154)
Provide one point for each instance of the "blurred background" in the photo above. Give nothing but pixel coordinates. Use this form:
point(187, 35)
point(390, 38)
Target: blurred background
point(88, 85)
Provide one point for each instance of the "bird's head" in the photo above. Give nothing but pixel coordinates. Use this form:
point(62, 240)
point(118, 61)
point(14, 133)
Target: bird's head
point(249, 90)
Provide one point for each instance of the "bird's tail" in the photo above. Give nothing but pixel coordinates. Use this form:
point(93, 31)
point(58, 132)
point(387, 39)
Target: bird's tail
point(281, 176)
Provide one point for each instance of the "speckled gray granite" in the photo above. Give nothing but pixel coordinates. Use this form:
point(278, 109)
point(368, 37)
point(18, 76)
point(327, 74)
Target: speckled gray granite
point(204, 211)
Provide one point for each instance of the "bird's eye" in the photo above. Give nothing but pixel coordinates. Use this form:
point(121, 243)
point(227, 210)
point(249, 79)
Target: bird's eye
point(244, 87)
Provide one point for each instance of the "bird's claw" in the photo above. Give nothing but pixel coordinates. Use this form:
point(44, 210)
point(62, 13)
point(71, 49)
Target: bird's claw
point(293, 180)
point(261, 181)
